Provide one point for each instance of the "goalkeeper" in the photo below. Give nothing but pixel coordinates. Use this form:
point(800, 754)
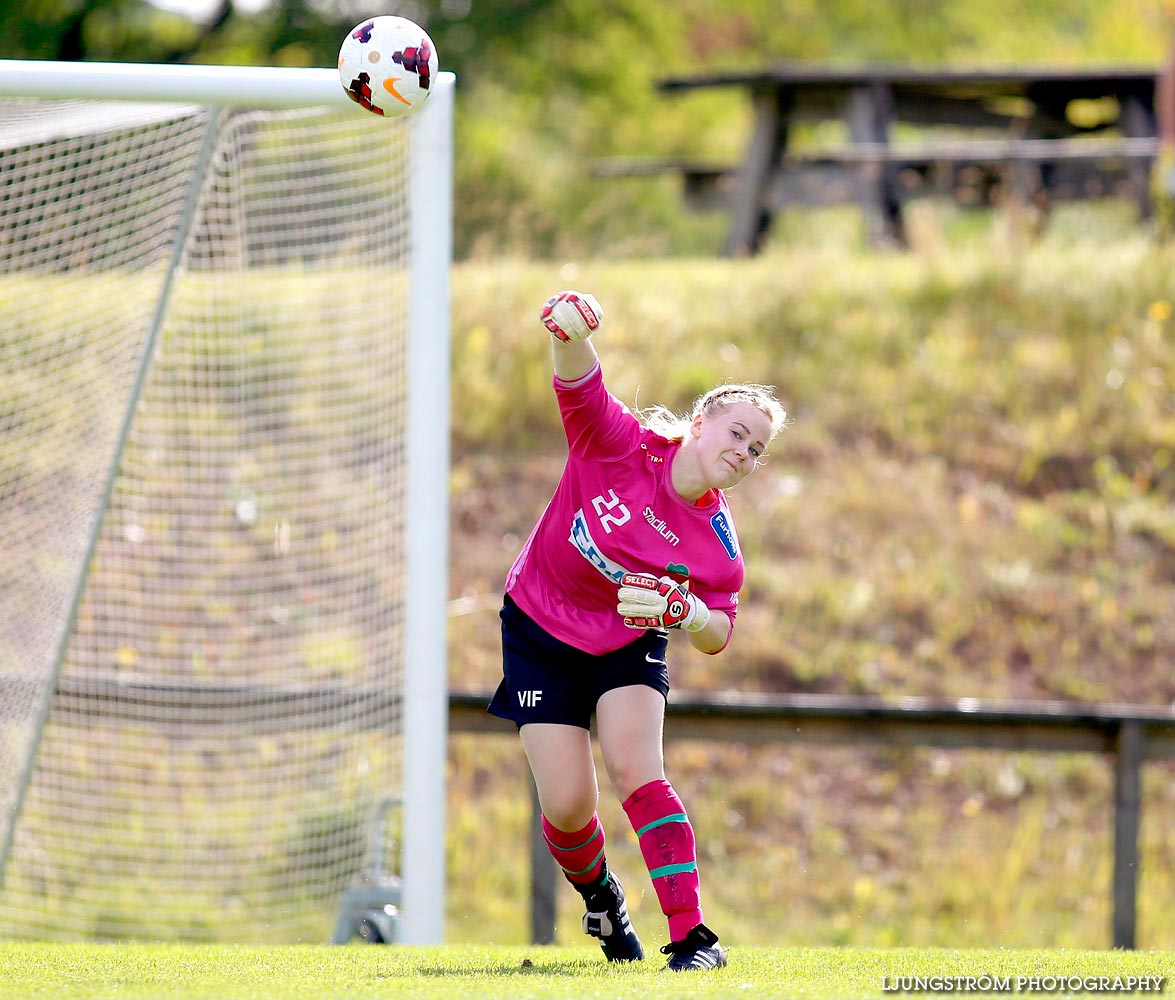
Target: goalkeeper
point(637, 540)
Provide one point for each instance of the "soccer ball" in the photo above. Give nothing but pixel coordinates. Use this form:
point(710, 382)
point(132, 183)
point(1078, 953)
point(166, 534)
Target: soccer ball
point(388, 65)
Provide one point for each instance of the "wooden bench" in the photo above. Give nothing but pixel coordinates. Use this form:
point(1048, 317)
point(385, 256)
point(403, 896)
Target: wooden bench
point(1022, 142)
point(972, 173)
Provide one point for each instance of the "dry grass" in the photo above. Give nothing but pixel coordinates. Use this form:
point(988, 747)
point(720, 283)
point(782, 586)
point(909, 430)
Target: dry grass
point(973, 500)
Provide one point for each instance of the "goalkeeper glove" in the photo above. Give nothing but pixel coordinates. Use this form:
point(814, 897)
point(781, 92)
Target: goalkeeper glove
point(646, 602)
point(572, 316)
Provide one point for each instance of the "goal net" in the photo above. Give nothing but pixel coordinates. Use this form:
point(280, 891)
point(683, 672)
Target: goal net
point(223, 456)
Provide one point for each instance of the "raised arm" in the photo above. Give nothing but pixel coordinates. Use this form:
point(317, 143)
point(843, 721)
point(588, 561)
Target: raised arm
point(572, 318)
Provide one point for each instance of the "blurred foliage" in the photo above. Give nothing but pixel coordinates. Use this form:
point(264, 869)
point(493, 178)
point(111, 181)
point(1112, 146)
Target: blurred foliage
point(545, 88)
point(869, 846)
point(1163, 181)
point(974, 500)
point(975, 496)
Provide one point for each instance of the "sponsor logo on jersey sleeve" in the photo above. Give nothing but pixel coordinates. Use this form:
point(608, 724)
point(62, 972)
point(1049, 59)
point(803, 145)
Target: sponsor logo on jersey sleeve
point(725, 532)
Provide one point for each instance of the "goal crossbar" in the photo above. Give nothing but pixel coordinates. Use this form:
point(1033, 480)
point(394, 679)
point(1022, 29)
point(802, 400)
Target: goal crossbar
point(230, 86)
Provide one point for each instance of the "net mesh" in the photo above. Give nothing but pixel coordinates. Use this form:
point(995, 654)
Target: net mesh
point(226, 719)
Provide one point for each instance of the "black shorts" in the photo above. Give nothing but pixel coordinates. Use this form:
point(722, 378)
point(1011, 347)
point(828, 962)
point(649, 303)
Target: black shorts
point(546, 680)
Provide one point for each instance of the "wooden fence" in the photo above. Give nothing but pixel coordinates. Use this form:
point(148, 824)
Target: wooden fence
point(1128, 734)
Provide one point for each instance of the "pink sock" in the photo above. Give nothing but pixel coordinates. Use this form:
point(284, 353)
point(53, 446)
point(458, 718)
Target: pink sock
point(580, 853)
point(668, 847)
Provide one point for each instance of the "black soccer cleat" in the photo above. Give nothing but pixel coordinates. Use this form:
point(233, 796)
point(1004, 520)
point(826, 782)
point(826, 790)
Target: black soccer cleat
point(699, 949)
point(607, 919)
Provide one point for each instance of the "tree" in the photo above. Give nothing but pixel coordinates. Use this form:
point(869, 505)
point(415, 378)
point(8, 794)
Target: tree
point(107, 30)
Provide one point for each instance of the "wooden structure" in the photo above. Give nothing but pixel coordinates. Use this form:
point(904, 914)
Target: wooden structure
point(1128, 735)
point(1010, 134)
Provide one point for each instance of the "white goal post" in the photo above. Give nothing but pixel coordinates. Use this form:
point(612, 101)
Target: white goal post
point(224, 463)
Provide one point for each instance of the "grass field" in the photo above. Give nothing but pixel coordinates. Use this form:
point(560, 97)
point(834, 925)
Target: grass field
point(184, 972)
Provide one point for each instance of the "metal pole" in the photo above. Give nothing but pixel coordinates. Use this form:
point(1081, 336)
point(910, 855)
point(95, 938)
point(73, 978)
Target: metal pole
point(542, 878)
point(426, 516)
point(1131, 744)
point(249, 86)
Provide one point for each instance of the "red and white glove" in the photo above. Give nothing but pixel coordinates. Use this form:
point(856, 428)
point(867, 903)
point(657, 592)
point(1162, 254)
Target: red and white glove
point(646, 602)
point(572, 316)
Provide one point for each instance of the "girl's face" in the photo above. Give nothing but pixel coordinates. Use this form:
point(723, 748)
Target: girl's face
point(730, 443)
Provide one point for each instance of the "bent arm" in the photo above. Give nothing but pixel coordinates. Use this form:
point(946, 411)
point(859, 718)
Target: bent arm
point(715, 636)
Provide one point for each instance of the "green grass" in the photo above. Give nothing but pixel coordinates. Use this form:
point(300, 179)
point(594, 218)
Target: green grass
point(185, 972)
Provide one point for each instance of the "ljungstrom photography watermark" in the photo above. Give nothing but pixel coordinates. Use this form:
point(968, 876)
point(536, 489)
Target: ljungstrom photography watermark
point(1023, 984)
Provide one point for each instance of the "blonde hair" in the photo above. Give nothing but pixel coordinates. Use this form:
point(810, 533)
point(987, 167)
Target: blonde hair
point(674, 426)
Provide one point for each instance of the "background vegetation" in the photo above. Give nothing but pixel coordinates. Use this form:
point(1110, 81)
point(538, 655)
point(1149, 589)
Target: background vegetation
point(548, 87)
point(975, 497)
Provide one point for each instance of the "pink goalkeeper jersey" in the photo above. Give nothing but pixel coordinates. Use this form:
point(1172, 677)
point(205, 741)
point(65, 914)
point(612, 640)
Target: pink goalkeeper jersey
point(615, 511)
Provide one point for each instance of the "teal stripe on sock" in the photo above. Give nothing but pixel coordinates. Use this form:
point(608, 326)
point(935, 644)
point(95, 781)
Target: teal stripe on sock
point(583, 871)
point(556, 847)
point(674, 818)
point(690, 866)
